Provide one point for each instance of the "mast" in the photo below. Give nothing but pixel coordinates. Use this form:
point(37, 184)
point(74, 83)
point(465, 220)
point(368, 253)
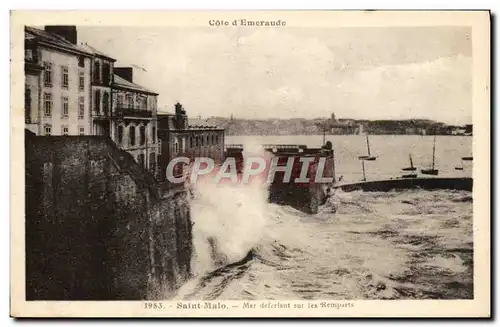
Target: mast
point(411, 162)
point(363, 165)
point(324, 133)
point(368, 144)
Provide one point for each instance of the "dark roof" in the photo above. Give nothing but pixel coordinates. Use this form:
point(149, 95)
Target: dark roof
point(54, 40)
point(199, 123)
point(96, 52)
point(124, 84)
point(164, 114)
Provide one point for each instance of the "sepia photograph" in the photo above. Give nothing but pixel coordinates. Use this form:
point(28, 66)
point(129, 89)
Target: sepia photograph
point(251, 163)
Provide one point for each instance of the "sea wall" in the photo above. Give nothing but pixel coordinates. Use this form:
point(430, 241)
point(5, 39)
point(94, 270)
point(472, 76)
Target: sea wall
point(98, 227)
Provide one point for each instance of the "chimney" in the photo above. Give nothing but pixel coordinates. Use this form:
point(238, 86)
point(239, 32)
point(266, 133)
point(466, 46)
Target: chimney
point(180, 117)
point(124, 72)
point(178, 109)
point(66, 31)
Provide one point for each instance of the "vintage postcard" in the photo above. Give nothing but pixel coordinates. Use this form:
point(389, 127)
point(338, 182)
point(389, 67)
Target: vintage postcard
point(250, 164)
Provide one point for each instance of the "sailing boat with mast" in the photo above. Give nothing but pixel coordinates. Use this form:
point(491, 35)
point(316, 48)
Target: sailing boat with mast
point(364, 173)
point(432, 170)
point(411, 168)
point(369, 157)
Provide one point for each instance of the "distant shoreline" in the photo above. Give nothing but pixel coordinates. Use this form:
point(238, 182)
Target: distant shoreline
point(331, 126)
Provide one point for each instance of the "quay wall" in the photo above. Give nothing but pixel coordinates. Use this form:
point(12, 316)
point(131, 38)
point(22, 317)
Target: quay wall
point(98, 227)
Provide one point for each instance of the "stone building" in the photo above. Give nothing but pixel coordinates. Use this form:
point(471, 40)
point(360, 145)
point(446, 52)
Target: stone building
point(134, 119)
point(57, 82)
point(102, 78)
point(178, 138)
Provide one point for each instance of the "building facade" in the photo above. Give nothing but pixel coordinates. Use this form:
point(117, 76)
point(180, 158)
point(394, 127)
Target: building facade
point(75, 89)
point(57, 82)
point(133, 125)
point(179, 139)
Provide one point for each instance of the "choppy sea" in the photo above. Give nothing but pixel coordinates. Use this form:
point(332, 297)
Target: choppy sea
point(413, 244)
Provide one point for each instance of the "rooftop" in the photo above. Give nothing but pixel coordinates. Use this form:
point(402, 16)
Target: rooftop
point(94, 51)
point(123, 83)
point(54, 40)
point(198, 123)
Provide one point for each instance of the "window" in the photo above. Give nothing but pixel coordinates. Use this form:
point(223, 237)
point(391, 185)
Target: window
point(152, 103)
point(81, 130)
point(176, 145)
point(65, 77)
point(130, 100)
point(191, 142)
point(81, 61)
point(140, 160)
point(47, 104)
point(143, 135)
point(120, 134)
point(132, 135)
point(153, 136)
point(217, 139)
point(144, 103)
point(81, 107)
point(213, 139)
point(64, 130)
point(152, 162)
point(97, 101)
point(105, 103)
point(48, 129)
point(27, 105)
point(65, 107)
point(97, 72)
point(28, 54)
point(119, 100)
point(47, 74)
point(81, 81)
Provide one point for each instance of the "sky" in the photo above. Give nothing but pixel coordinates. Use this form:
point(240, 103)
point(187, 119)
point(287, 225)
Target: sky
point(258, 73)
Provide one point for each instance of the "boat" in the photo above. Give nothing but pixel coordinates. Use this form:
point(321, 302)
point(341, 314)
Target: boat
point(432, 170)
point(409, 176)
point(369, 157)
point(364, 173)
point(411, 168)
point(467, 158)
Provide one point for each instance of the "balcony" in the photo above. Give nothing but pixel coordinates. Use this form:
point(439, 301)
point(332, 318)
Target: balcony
point(101, 114)
point(31, 63)
point(123, 112)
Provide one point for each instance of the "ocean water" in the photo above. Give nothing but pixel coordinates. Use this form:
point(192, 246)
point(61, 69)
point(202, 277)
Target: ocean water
point(398, 245)
point(392, 153)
